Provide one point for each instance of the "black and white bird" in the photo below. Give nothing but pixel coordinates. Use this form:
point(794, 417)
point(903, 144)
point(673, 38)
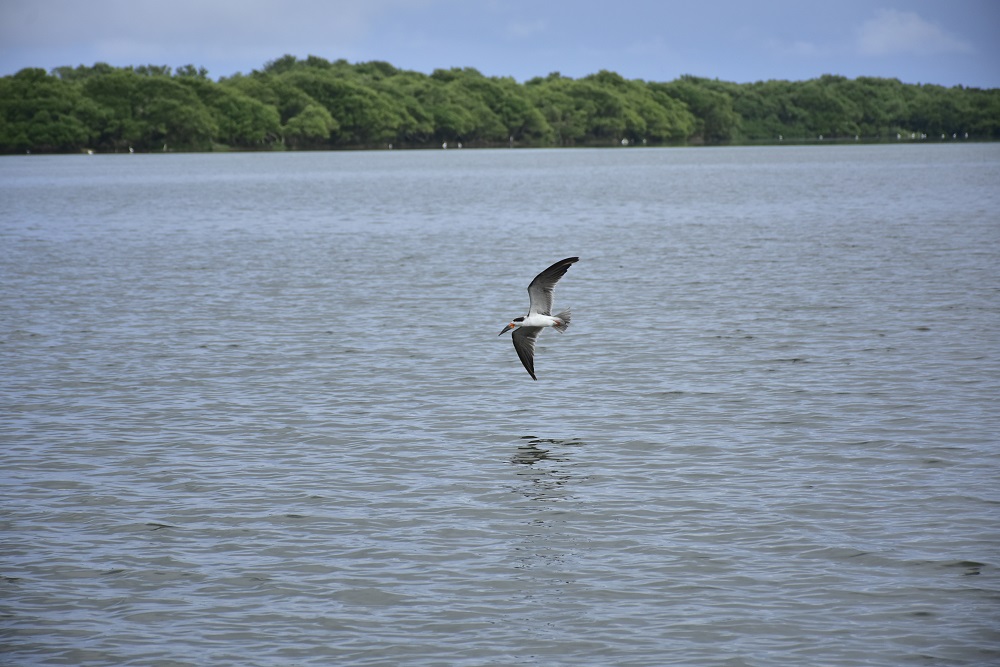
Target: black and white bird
point(526, 329)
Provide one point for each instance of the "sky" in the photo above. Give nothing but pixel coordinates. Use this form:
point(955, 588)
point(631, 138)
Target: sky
point(945, 42)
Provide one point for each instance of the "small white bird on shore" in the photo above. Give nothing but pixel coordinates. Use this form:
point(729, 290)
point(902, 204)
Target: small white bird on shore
point(526, 329)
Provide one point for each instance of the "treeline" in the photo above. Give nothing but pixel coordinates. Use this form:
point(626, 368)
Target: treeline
point(318, 104)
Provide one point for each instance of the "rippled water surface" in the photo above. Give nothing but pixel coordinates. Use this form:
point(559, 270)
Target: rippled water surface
point(255, 410)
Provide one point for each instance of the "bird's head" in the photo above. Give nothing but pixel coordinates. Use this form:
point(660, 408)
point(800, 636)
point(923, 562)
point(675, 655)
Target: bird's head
point(514, 323)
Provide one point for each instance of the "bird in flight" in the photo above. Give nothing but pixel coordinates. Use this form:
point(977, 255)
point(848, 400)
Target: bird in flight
point(526, 329)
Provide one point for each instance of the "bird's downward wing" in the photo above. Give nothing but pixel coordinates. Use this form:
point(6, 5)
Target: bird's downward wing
point(524, 343)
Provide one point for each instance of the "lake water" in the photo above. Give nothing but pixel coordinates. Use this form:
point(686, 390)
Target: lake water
point(255, 410)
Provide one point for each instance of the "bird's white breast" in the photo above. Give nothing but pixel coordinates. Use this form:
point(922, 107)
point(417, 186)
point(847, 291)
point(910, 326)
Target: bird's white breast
point(538, 320)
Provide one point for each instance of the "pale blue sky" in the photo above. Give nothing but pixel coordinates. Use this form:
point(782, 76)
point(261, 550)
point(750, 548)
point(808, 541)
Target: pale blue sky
point(946, 42)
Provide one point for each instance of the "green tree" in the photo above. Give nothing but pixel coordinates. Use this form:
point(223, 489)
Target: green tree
point(467, 88)
point(501, 108)
point(560, 109)
point(311, 128)
point(715, 119)
point(404, 90)
point(983, 114)
point(271, 91)
point(363, 115)
point(115, 92)
point(937, 110)
point(42, 113)
point(173, 116)
point(449, 113)
point(149, 111)
point(241, 120)
point(881, 103)
point(81, 72)
point(316, 103)
point(829, 113)
point(285, 63)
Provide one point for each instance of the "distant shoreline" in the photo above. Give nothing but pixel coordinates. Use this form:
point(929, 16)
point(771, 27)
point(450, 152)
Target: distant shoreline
point(315, 104)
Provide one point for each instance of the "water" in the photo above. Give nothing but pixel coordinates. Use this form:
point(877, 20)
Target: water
point(256, 411)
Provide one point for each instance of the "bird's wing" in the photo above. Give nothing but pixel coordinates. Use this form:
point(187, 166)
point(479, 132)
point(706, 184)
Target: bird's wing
point(524, 343)
point(540, 289)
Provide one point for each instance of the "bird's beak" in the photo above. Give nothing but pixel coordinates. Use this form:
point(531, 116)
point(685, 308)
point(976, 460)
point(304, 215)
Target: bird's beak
point(506, 329)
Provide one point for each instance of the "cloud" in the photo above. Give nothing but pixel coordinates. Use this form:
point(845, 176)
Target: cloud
point(227, 36)
point(138, 26)
point(893, 32)
point(526, 29)
point(798, 48)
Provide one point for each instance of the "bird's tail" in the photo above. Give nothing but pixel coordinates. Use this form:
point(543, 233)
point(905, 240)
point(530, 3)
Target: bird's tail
point(565, 317)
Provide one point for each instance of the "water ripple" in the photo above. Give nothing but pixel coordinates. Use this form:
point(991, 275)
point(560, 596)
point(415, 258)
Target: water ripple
point(242, 440)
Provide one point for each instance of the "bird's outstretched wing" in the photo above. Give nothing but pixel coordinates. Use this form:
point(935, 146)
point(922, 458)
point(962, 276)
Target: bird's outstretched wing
point(524, 343)
point(540, 289)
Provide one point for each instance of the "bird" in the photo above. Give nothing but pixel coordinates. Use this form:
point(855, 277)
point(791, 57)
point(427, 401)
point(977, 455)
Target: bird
point(527, 328)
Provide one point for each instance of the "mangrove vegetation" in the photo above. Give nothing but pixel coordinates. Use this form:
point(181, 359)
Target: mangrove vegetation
point(314, 103)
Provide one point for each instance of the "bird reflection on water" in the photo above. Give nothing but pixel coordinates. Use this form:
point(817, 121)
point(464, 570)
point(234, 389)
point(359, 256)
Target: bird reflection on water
point(541, 459)
point(545, 473)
